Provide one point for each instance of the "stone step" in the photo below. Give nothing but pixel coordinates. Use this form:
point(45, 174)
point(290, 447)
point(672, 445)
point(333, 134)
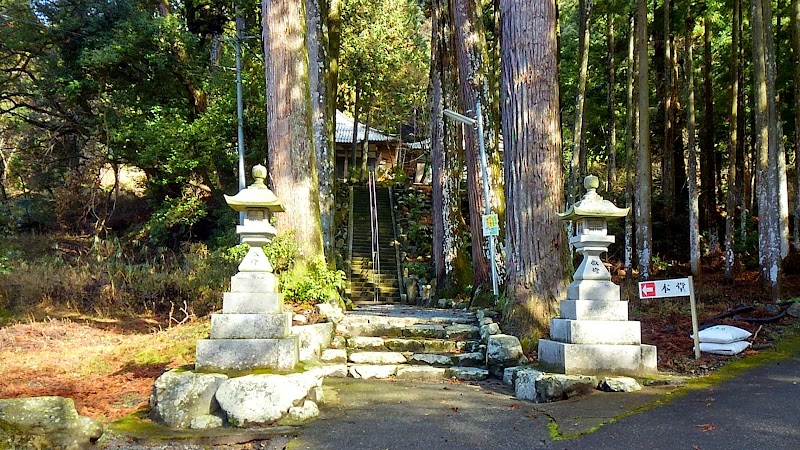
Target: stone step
point(461, 332)
point(406, 372)
point(375, 343)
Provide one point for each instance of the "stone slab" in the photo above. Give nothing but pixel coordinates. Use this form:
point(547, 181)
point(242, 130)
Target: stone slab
point(254, 282)
point(593, 290)
point(372, 371)
point(594, 310)
point(313, 339)
point(597, 359)
point(468, 373)
point(377, 358)
point(251, 326)
point(251, 303)
point(596, 332)
point(421, 373)
point(368, 343)
point(233, 355)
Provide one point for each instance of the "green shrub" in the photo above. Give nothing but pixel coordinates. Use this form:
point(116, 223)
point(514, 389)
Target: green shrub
point(312, 282)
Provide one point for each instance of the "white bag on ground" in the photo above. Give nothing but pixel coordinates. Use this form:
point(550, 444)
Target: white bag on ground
point(724, 349)
point(722, 334)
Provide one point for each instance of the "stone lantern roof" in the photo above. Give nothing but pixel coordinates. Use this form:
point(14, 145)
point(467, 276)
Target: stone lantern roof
point(255, 196)
point(592, 204)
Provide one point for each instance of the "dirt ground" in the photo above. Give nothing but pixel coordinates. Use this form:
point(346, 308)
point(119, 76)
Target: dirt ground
point(108, 366)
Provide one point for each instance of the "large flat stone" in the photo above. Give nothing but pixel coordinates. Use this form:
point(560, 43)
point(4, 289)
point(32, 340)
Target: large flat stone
point(233, 355)
point(596, 331)
point(431, 359)
point(421, 373)
point(251, 303)
point(594, 309)
point(251, 326)
point(468, 373)
point(372, 371)
point(425, 331)
point(377, 358)
point(593, 290)
point(370, 343)
point(254, 282)
point(462, 332)
point(597, 359)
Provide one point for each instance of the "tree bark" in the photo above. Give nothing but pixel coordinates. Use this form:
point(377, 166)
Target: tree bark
point(694, 191)
point(356, 114)
point(470, 47)
point(629, 133)
point(795, 24)
point(290, 144)
point(733, 144)
point(449, 258)
point(612, 106)
point(668, 161)
point(537, 248)
point(323, 150)
point(644, 232)
point(766, 146)
point(708, 170)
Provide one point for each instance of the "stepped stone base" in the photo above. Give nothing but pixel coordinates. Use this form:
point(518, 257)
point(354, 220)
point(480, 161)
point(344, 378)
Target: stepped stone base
point(251, 326)
point(594, 310)
point(251, 303)
point(593, 290)
point(597, 359)
point(225, 355)
point(596, 331)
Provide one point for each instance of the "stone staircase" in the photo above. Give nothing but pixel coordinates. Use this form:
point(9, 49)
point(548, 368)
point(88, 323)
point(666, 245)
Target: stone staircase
point(397, 341)
point(366, 284)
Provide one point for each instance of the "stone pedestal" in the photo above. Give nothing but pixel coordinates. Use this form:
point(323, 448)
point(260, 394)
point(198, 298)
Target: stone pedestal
point(253, 331)
point(593, 334)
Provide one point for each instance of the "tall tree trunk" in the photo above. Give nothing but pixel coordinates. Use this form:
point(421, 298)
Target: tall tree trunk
point(449, 258)
point(694, 192)
point(795, 24)
point(766, 146)
point(668, 161)
point(644, 232)
point(537, 247)
point(365, 145)
point(290, 144)
point(629, 133)
point(733, 144)
point(470, 52)
point(708, 170)
point(578, 159)
point(356, 113)
point(323, 150)
point(612, 106)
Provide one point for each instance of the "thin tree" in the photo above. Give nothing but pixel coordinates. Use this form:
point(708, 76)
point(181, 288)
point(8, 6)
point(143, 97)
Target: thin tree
point(612, 101)
point(644, 232)
point(769, 247)
point(577, 164)
point(693, 178)
point(708, 168)
point(733, 143)
point(629, 133)
point(668, 161)
point(537, 249)
point(290, 144)
point(795, 24)
point(316, 41)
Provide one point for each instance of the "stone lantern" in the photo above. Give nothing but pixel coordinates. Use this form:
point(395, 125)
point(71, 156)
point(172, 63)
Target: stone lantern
point(253, 331)
point(593, 334)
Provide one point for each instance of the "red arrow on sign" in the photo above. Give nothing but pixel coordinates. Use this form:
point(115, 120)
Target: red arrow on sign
point(647, 290)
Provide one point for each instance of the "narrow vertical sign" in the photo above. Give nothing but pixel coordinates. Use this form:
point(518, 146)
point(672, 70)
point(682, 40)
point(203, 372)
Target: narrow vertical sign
point(491, 226)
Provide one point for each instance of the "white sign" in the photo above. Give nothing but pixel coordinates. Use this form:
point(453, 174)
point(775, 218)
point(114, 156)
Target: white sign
point(678, 287)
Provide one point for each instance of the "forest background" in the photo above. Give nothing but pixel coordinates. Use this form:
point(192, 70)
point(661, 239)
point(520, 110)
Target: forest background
point(118, 137)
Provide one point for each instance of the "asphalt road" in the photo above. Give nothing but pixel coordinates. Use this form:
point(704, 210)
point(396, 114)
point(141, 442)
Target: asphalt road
point(760, 409)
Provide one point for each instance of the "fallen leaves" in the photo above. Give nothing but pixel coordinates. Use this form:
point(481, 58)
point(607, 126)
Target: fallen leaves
point(707, 426)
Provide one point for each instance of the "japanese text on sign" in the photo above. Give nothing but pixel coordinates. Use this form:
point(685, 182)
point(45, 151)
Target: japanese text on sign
point(678, 287)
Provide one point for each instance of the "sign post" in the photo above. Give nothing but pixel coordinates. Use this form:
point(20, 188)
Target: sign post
point(679, 287)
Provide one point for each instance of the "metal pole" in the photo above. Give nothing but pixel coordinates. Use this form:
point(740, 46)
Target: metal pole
point(237, 43)
point(487, 207)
